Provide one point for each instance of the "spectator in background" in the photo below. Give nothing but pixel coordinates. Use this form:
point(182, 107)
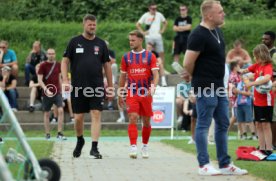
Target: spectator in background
point(49, 78)
point(67, 102)
point(268, 39)
point(152, 31)
point(190, 109)
point(150, 47)
point(182, 26)
point(244, 108)
point(183, 91)
point(233, 81)
point(35, 57)
point(8, 85)
point(122, 119)
point(114, 69)
point(238, 54)
point(114, 65)
point(8, 57)
point(35, 89)
point(263, 103)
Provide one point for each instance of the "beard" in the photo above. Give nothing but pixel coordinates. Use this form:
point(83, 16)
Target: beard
point(90, 33)
point(51, 59)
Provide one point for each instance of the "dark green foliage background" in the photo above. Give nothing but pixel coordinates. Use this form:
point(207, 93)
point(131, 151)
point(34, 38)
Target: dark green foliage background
point(54, 22)
point(119, 10)
point(21, 35)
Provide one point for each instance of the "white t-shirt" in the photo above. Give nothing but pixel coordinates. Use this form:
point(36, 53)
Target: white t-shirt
point(226, 76)
point(154, 20)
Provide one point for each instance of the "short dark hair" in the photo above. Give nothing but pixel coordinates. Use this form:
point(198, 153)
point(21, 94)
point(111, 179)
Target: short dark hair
point(271, 34)
point(233, 65)
point(152, 4)
point(137, 33)
point(89, 17)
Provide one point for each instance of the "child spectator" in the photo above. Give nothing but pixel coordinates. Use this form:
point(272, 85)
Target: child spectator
point(263, 103)
point(183, 90)
point(190, 109)
point(67, 102)
point(233, 81)
point(244, 108)
point(122, 119)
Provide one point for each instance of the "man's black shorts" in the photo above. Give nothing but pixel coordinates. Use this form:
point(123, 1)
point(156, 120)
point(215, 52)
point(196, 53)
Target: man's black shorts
point(47, 102)
point(263, 113)
point(194, 115)
point(83, 104)
point(180, 45)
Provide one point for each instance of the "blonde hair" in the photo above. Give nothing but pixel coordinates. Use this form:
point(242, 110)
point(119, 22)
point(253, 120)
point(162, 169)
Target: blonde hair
point(4, 42)
point(261, 53)
point(37, 43)
point(136, 33)
point(206, 6)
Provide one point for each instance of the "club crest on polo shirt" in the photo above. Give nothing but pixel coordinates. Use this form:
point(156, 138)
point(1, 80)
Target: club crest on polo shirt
point(96, 50)
point(144, 60)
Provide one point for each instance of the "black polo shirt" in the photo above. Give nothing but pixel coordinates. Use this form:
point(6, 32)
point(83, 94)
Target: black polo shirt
point(86, 60)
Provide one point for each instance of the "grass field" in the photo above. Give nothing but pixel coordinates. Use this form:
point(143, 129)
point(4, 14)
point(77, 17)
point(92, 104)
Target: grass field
point(71, 133)
point(262, 169)
point(41, 149)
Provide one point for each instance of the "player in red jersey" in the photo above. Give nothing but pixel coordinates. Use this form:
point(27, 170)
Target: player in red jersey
point(263, 103)
point(142, 70)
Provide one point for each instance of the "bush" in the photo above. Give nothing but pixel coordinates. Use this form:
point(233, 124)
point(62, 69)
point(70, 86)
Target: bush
point(21, 35)
point(119, 10)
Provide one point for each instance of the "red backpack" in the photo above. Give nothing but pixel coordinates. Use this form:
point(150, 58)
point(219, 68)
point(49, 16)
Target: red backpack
point(249, 153)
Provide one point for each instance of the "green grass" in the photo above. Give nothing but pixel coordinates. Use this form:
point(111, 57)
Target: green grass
point(262, 169)
point(21, 35)
point(71, 133)
point(41, 149)
point(106, 132)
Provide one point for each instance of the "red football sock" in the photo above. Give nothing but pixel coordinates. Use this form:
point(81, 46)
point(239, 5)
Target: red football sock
point(132, 134)
point(146, 134)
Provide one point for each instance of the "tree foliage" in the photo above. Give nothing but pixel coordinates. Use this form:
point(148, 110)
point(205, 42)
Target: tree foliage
point(122, 10)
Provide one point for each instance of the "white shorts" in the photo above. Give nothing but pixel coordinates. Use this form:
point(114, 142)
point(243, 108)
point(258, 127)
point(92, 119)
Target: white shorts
point(66, 95)
point(157, 41)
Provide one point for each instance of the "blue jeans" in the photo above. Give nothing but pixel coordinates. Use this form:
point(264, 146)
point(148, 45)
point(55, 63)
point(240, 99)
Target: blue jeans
point(11, 95)
point(29, 68)
point(209, 107)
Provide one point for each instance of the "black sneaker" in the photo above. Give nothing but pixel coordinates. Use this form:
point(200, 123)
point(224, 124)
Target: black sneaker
point(1, 140)
point(110, 107)
point(26, 83)
point(31, 109)
point(94, 153)
point(48, 136)
point(266, 152)
point(61, 137)
point(78, 148)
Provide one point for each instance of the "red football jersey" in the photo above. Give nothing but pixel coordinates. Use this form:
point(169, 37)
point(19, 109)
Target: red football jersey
point(139, 66)
point(262, 70)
